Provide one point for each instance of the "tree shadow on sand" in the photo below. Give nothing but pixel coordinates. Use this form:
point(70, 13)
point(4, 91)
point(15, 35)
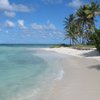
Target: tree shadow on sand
point(97, 67)
point(91, 54)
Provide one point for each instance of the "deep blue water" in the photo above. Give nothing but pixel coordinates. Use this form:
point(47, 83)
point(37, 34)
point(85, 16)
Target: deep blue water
point(28, 45)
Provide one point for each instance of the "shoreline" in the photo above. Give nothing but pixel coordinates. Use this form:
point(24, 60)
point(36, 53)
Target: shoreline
point(81, 77)
point(92, 53)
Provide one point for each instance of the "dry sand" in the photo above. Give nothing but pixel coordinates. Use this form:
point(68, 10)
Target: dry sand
point(93, 53)
point(81, 80)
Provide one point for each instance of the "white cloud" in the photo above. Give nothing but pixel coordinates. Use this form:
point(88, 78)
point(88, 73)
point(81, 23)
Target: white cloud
point(6, 5)
point(10, 13)
point(75, 3)
point(36, 26)
point(47, 26)
point(52, 1)
point(9, 24)
point(20, 8)
point(21, 24)
point(45, 31)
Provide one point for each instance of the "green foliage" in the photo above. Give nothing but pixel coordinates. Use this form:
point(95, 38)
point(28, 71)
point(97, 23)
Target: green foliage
point(60, 45)
point(96, 38)
point(71, 29)
point(80, 27)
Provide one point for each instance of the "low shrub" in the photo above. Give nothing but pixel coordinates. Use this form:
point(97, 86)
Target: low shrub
point(97, 39)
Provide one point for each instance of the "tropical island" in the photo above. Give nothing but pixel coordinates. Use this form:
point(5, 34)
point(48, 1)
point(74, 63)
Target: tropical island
point(82, 32)
point(81, 28)
point(31, 69)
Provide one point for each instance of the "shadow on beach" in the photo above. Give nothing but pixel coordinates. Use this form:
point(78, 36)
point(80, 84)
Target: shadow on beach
point(91, 54)
point(97, 67)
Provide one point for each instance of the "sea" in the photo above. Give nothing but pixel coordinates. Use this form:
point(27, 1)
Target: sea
point(27, 72)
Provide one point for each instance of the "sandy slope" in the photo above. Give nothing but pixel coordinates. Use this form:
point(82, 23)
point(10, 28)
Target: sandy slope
point(93, 53)
point(81, 79)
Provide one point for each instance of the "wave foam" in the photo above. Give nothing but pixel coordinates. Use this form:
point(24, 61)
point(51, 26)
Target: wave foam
point(60, 76)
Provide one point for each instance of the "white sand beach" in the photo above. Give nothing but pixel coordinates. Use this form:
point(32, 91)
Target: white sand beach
point(81, 79)
point(92, 53)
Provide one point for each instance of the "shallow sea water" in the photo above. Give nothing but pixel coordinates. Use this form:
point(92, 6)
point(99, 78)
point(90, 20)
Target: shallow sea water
point(26, 74)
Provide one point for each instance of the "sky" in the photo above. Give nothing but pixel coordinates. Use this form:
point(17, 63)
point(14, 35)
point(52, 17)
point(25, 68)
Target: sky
point(35, 21)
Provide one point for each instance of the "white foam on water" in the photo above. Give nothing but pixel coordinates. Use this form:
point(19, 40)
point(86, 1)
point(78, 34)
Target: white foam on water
point(43, 81)
point(28, 96)
point(60, 76)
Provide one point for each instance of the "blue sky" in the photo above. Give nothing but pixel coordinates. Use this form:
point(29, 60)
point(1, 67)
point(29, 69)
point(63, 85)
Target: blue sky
point(35, 21)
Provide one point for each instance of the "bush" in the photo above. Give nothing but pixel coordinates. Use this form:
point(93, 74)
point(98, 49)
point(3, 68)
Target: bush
point(96, 37)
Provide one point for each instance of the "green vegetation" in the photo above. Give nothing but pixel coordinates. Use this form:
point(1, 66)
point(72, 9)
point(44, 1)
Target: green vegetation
point(95, 38)
point(60, 45)
point(79, 47)
point(80, 27)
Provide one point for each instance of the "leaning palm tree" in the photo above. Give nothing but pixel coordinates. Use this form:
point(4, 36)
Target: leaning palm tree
point(82, 24)
point(86, 17)
point(92, 11)
point(68, 23)
point(72, 36)
point(82, 20)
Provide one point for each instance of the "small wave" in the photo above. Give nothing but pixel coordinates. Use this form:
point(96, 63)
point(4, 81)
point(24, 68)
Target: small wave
point(28, 96)
point(60, 76)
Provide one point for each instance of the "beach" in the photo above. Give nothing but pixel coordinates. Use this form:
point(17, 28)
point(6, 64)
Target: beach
point(92, 53)
point(81, 78)
point(50, 50)
point(31, 73)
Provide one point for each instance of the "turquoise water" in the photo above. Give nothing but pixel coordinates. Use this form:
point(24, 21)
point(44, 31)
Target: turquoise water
point(26, 73)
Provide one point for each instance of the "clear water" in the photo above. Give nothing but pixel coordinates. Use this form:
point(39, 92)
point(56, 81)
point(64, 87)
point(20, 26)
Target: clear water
point(25, 74)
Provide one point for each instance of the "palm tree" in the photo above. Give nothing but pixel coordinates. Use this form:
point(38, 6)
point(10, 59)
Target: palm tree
point(69, 27)
point(82, 24)
point(68, 22)
point(86, 18)
point(72, 36)
point(92, 11)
